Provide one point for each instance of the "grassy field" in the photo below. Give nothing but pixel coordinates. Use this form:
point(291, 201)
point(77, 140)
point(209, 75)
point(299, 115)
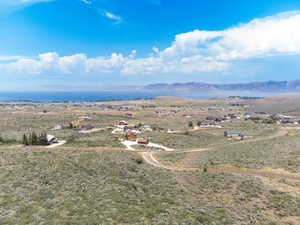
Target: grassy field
point(14, 125)
point(97, 139)
point(118, 188)
point(95, 188)
point(210, 136)
point(281, 152)
point(184, 141)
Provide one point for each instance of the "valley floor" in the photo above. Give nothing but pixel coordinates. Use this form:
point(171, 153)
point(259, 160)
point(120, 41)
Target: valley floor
point(184, 174)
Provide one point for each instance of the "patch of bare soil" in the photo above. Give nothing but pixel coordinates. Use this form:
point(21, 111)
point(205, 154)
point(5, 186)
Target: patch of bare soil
point(291, 220)
point(282, 187)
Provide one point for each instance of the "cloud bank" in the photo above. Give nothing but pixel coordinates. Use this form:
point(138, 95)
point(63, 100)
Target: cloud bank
point(192, 52)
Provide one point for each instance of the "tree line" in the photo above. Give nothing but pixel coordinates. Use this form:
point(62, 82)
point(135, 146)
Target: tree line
point(34, 139)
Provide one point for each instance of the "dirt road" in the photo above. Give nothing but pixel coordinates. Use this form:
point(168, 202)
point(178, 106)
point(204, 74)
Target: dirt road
point(150, 158)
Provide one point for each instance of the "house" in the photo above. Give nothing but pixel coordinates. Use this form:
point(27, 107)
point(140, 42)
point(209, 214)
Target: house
point(126, 128)
point(284, 119)
point(130, 136)
point(231, 116)
point(143, 141)
point(290, 120)
point(122, 123)
point(213, 118)
point(232, 133)
point(51, 139)
point(261, 113)
point(280, 117)
point(205, 123)
point(129, 115)
point(146, 128)
point(236, 104)
point(123, 108)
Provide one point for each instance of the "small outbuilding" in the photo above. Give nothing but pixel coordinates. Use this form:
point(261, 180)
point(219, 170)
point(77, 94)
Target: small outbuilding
point(146, 128)
point(58, 127)
point(123, 123)
point(129, 115)
point(51, 139)
point(206, 123)
point(143, 141)
point(232, 133)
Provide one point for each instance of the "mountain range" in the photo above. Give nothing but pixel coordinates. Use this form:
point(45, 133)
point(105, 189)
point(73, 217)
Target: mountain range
point(268, 86)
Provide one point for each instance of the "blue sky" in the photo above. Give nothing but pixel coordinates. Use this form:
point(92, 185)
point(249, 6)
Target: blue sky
point(87, 44)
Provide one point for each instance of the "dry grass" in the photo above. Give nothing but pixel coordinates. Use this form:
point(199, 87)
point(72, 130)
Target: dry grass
point(281, 152)
point(57, 187)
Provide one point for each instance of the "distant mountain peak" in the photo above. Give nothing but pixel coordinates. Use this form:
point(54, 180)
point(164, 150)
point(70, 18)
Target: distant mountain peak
point(267, 86)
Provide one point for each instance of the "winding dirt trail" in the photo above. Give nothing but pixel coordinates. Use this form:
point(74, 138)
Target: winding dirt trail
point(150, 158)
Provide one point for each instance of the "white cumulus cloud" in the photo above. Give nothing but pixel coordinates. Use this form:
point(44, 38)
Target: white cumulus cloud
point(277, 35)
point(192, 52)
point(111, 16)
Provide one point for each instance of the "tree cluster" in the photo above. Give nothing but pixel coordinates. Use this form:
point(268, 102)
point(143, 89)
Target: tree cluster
point(34, 139)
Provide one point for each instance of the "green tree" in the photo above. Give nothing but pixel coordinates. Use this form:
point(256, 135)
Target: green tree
point(30, 139)
point(43, 139)
point(191, 124)
point(25, 140)
point(34, 138)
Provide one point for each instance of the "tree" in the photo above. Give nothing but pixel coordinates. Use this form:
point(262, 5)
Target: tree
point(30, 139)
point(191, 124)
point(25, 140)
point(42, 139)
point(34, 138)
